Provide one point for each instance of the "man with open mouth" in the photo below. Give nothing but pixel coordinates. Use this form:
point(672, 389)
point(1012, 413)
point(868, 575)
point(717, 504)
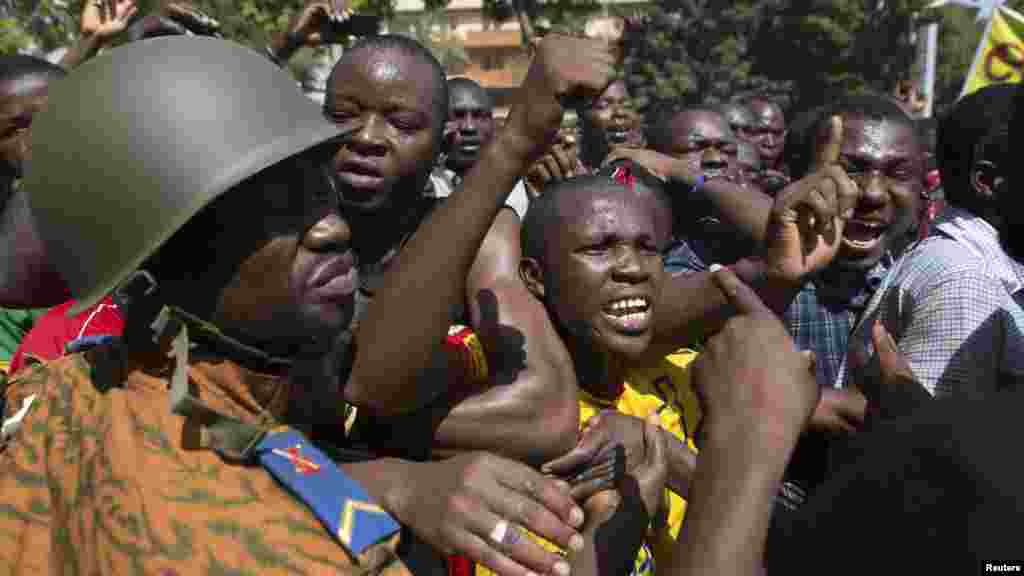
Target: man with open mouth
point(592, 255)
point(878, 149)
point(950, 302)
point(610, 122)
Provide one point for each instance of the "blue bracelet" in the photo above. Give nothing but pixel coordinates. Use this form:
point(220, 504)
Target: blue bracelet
point(698, 185)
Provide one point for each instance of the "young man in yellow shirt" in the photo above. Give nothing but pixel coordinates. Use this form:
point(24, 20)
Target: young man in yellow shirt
point(592, 254)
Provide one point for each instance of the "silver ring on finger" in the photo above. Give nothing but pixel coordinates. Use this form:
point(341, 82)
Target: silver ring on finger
point(505, 534)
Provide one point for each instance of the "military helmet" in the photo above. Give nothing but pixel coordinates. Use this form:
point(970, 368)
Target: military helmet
point(135, 142)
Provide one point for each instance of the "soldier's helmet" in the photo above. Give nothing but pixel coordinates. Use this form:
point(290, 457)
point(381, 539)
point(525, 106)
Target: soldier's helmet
point(137, 141)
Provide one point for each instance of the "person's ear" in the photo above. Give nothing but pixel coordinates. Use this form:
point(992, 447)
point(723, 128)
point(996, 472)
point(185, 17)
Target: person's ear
point(986, 178)
point(532, 275)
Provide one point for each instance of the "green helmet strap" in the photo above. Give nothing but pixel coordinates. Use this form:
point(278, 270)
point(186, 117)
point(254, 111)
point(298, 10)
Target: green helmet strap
point(231, 438)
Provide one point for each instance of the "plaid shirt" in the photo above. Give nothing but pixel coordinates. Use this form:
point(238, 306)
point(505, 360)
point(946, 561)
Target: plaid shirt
point(950, 304)
point(821, 316)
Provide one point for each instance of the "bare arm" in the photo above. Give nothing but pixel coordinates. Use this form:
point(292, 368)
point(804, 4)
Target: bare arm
point(692, 307)
point(436, 261)
point(438, 258)
point(727, 520)
point(749, 438)
point(530, 411)
point(681, 464)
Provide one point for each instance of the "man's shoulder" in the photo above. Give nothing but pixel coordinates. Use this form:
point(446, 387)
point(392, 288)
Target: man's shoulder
point(938, 259)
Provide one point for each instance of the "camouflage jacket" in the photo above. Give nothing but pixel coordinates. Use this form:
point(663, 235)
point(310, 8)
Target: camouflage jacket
point(100, 479)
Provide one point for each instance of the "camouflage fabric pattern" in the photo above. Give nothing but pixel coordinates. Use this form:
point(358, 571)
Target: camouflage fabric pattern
point(103, 479)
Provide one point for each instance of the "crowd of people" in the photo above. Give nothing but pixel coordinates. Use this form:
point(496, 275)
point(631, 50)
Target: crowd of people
point(244, 333)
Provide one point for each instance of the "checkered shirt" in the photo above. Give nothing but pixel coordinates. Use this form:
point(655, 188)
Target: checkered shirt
point(821, 316)
point(949, 303)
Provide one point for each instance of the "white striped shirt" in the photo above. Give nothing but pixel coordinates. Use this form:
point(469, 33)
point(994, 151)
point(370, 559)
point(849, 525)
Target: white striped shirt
point(949, 304)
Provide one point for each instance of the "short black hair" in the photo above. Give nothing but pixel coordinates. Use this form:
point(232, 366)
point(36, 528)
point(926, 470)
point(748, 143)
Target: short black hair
point(545, 208)
point(410, 47)
point(659, 129)
point(17, 66)
point(463, 83)
point(748, 98)
point(868, 106)
point(976, 120)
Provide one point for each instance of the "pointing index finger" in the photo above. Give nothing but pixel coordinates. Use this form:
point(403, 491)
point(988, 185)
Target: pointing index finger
point(829, 154)
point(739, 294)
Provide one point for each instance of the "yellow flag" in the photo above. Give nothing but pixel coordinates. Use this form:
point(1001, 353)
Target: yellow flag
point(1000, 57)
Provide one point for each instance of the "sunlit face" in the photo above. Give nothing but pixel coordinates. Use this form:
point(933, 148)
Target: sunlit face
point(603, 272)
point(389, 94)
point(884, 159)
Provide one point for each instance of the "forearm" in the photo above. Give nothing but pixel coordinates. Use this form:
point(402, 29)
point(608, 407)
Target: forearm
point(530, 412)
point(727, 518)
point(530, 420)
point(681, 465)
point(436, 261)
point(693, 307)
point(86, 47)
point(745, 209)
point(384, 480)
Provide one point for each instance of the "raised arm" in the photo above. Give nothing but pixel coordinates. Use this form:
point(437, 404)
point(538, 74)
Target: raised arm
point(530, 411)
point(438, 257)
point(102, 20)
point(754, 412)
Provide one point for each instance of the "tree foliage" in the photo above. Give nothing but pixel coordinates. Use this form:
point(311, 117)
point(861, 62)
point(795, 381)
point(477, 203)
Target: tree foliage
point(44, 25)
point(828, 46)
point(696, 51)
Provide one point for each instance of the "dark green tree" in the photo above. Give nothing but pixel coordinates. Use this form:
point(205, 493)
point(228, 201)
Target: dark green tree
point(45, 25)
point(831, 46)
point(696, 51)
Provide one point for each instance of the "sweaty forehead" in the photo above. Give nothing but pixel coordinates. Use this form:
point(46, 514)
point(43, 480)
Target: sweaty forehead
point(463, 97)
point(706, 125)
point(607, 210)
point(737, 114)
point(384, 78)
point(877, 140)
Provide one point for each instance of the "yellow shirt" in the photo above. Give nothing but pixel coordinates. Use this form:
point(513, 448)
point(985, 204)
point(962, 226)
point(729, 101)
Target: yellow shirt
point(664, 389)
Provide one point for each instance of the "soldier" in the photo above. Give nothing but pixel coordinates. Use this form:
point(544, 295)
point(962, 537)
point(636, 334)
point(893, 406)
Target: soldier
point(229, 325)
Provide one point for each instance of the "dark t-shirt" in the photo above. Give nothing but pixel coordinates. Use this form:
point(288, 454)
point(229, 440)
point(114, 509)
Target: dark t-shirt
point(940, 491)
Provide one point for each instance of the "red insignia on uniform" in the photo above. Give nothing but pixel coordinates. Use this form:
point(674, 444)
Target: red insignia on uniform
point(303, 465)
